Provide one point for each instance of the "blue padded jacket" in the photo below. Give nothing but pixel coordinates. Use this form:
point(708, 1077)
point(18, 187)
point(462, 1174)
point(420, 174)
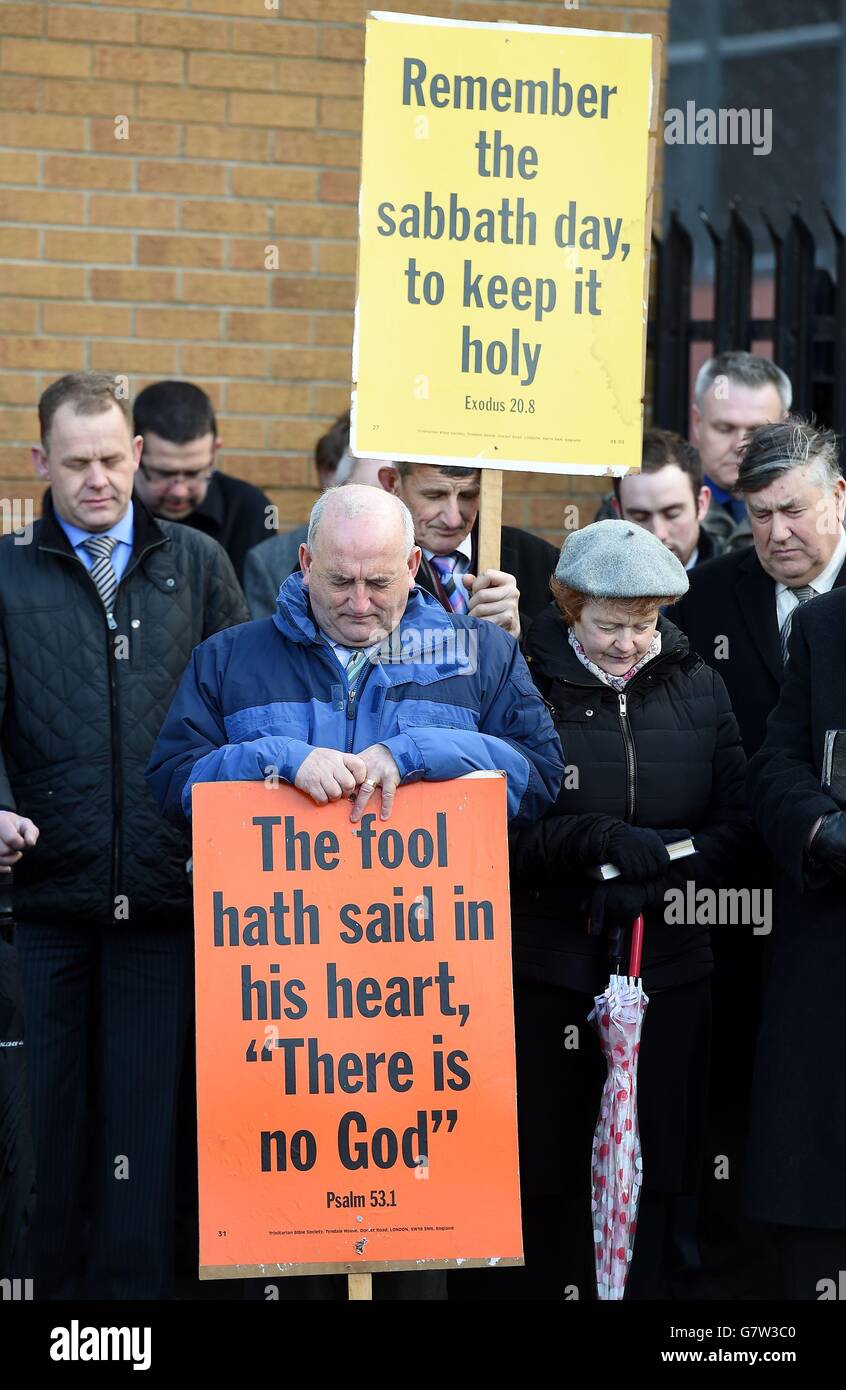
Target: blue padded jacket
point(456, 697)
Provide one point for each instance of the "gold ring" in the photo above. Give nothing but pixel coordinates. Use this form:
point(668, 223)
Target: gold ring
point(368, 782)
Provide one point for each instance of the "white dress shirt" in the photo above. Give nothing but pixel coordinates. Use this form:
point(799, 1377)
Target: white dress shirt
point(785, 598)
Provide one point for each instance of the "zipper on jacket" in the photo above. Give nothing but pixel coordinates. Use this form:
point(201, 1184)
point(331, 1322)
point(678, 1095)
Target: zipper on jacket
point(631, 759)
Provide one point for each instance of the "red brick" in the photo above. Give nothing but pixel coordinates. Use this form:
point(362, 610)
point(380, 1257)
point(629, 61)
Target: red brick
point(338, 114)
point(45, 206)
point(42, 354)
point(277, 36)
point(133, 357)
point(246, 74)
point(181, 177)
point(272, 110)
point(176, 324)
point(223, 217)
point(317, 364)
point(295, 185)
point(252, 255)
point(173, 31)
point(145, 137)
point(226, 289)
point(295, 147)
point(129, 211)
point(90, 98)
point(138, 64)
point(337, 187)
point(251, 398)
point(19, 94)
point(216, 142)
point(313, 292)
point(95, 172)
point(267, 328)
point(182, 104)
point(45, 59)
point(227, 361)
point(87, 320)
point(44, 132)
point(133, 285)
point(181, 250)
point(92, 247)
point(95, 25)
point(333, 330)
point(315, 221)
point(16, 315)
point(21, 19)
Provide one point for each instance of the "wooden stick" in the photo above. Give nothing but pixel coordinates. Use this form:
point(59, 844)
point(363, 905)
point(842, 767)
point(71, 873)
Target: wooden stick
point(360, 1286)
point(490, 519)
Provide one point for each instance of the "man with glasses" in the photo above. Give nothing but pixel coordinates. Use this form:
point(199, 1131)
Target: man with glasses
point(177, 478)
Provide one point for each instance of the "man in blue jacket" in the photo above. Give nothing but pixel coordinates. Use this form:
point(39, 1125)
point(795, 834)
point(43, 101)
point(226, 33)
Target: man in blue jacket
point(360, 682)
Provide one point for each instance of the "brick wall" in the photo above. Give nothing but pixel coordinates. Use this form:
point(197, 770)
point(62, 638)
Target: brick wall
point(145, 255)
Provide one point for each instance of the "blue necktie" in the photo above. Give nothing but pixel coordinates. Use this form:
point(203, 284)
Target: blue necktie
point(456, 594)
point(100, 549)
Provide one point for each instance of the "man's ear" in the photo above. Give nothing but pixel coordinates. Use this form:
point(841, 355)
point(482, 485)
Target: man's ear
point(703, 502)
point(414, 558)
point(389, 478)
point(39, 462)
point(695, 423)
point(305, 558)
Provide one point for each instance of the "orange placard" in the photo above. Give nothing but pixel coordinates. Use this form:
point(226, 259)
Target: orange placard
point(355, 1034)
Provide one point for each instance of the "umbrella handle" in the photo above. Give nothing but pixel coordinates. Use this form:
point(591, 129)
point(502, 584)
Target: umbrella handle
point(637, 945)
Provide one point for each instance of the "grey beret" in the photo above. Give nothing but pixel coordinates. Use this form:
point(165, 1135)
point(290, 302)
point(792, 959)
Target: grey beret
point(616, 559)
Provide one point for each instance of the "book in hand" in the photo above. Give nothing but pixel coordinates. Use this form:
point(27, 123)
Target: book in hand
point(833, 776)
point(677, 849)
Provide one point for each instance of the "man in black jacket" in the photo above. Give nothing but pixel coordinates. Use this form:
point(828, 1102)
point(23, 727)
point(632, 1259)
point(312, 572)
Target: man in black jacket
point(178, 480)
point(798, 1128)
point(444, 502)
point(737, 616)
point(99, 614)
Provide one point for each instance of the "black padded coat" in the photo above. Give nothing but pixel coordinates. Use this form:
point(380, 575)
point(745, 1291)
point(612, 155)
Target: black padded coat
point(81, 707)
point(667, 756)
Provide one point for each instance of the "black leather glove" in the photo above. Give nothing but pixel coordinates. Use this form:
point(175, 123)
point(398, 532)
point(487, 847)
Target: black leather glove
point(828, 847)
point(616, 904)
point(640, 855)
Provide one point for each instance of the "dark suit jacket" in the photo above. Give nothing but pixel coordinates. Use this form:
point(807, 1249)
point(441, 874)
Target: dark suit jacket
point(530, 559)
point(729, 616)
point(798, 1132)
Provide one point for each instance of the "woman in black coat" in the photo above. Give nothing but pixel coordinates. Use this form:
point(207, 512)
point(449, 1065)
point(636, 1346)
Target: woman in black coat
point(651, 745)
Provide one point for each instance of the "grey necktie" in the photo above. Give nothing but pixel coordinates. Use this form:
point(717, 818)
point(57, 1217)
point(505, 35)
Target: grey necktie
point(802, 594)
point(100, 549)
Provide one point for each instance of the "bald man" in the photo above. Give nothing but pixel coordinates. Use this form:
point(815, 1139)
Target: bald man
point(332, 627)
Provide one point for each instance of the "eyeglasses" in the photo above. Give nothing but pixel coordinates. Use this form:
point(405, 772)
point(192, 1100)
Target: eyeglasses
point(163, 477)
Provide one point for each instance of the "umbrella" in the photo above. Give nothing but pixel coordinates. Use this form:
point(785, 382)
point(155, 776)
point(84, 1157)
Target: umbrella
point(616, 1163)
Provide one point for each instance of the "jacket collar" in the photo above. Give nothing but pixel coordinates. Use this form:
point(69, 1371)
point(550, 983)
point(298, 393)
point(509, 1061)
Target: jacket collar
point(755, 595)
point(549, 651)
point(423, 617)
point(146, 530)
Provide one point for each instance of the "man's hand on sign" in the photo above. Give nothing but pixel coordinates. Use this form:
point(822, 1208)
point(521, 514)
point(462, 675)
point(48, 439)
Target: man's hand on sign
point(327, 775)
point(382, 772)
point(494, 595)
point(16, 834)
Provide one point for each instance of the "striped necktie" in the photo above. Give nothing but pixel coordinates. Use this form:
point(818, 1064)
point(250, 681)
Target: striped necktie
point(456, 594)
point(802, 594)
point(356, 663)
point(100, 549)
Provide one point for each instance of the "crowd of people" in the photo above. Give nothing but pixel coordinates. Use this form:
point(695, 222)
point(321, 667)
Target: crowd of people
point(671, 672)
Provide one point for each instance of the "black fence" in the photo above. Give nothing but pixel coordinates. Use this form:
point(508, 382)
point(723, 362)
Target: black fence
point(807, 333)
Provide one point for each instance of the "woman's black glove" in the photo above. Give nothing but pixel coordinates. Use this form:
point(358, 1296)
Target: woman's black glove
point(640, 855)
point(616, 904)
point(828, 847)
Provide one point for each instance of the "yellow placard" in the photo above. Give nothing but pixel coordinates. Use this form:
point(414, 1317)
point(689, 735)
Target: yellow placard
point(504, 229)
